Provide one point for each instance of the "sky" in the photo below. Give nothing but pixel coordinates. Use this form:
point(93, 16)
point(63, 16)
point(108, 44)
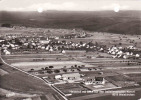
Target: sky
point(71, 5)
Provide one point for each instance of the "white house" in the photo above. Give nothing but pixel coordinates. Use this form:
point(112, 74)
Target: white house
point(58, 77)
point(63, 51)
point(6, 52)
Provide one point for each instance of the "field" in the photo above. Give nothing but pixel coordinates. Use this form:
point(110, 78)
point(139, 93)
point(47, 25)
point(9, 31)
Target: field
point(121, 80)
point(69, 88)
point(135, 76)
point(24, 85)
point(34, 57)
point(117, 72)
point(12, 80)
point(27, 62)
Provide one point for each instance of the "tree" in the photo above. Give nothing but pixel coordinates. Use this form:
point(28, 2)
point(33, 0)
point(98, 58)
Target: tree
point(17, 41)
point(72, 67)
point(32, 69)
point(6, 25)
point(82, 65)
point(72, 70)
point(51, 67)
point(42, 68)
point(41, 72)
point(10, 47)
point(56, 71)
point(89, 69)
point(65, 70)
point(46, 68)
point(49, 71)
point(79, 66)
point(75, 66)
point(64, 67)
point(78, 69)
point(120, 43)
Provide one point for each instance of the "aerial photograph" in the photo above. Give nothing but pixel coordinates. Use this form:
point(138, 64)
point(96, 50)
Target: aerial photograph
point(70, 49)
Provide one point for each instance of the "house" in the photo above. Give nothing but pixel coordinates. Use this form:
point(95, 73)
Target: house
point(6, 52)
point(58, 77)
point(137, 55)
point(72, 77)
point(44, 40)
point(63, 51)
point(95, 81)
point(1, 40)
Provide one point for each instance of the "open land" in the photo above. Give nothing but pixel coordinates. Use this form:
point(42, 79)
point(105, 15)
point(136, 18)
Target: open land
point(51, 63)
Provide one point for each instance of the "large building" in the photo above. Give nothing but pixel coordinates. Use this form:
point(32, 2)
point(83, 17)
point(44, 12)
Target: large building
point(95, 81)
point(71, 77)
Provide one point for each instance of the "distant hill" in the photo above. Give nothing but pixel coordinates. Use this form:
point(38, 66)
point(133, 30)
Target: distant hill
point(123, 22)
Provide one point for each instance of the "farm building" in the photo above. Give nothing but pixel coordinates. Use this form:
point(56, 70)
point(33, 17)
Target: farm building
point(69, 77)
point(95, 81)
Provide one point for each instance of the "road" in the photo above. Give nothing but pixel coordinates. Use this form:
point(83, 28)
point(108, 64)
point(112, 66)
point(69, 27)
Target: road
point(50, 85)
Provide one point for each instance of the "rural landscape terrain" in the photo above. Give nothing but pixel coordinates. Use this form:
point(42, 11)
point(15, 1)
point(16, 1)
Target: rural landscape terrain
point(70, 55)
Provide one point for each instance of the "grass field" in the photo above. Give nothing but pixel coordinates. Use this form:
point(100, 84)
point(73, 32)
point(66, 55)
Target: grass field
point(135, 76)
point(18, 82)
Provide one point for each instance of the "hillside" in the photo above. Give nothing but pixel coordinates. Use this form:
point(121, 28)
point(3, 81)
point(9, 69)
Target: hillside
point(123, 22)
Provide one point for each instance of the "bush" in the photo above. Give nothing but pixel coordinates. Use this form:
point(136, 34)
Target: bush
point(6, 25)
point(51, 67)
point(56, 71)
point(49, 71)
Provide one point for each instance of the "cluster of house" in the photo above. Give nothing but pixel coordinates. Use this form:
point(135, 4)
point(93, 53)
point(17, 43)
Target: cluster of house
point(120, 52)
point(51, 43)
point(76, 77)
point(25, 43)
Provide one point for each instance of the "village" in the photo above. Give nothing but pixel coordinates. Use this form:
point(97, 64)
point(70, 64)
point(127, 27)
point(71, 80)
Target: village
point(75, 60)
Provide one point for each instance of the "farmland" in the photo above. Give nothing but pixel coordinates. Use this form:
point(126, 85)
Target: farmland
point(51, 62)
point(27, 62)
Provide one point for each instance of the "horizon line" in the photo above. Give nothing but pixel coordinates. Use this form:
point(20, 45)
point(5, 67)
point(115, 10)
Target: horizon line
point(65, 10)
